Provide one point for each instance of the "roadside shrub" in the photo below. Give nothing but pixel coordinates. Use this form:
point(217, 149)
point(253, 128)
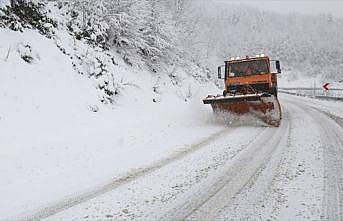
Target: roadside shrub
point(21, 14)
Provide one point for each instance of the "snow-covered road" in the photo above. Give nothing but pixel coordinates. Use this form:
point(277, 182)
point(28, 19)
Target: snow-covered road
point(293, 172)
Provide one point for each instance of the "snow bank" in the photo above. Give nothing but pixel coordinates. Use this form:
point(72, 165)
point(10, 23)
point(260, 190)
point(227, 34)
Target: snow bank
point(52, 142)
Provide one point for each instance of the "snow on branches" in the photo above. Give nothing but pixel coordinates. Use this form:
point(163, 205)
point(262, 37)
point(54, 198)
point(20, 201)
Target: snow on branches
point(20, 14)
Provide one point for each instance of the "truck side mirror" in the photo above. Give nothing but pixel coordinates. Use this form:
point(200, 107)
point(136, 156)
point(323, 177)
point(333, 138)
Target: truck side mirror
point(278, 68)
point(219, 72)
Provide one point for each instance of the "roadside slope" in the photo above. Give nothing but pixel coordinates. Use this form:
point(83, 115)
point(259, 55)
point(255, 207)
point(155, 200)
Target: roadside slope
point(58, 140)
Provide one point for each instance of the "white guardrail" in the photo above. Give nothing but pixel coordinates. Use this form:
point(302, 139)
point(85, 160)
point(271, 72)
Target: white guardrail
point(320, 93)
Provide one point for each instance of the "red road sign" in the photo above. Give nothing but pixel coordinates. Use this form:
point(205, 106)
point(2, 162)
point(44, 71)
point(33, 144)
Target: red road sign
point(325, 86)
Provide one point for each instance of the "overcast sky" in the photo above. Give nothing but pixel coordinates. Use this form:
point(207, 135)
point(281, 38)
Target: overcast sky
point(334, 7)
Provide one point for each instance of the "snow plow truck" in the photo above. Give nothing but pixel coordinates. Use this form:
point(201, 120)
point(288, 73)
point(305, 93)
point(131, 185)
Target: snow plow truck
point(250, 87)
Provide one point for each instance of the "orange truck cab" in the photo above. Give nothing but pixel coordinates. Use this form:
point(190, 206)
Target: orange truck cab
point(250, 75)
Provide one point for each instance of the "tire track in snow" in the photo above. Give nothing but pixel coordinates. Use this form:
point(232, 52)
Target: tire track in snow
point(283, 190)
point(331, 134)
point(145, 197)
point(263, 189)
point(72, 201)
point(337, 119)
point(331, 138)
point(205, 202)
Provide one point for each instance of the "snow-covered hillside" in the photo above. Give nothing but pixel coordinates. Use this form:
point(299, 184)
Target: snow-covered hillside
point(73, 115)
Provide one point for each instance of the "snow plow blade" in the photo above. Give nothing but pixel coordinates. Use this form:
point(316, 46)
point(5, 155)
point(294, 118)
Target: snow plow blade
point(265, 106)
point(232, 99)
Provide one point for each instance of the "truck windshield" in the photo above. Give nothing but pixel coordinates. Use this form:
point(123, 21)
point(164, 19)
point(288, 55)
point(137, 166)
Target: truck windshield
point(248, 68)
